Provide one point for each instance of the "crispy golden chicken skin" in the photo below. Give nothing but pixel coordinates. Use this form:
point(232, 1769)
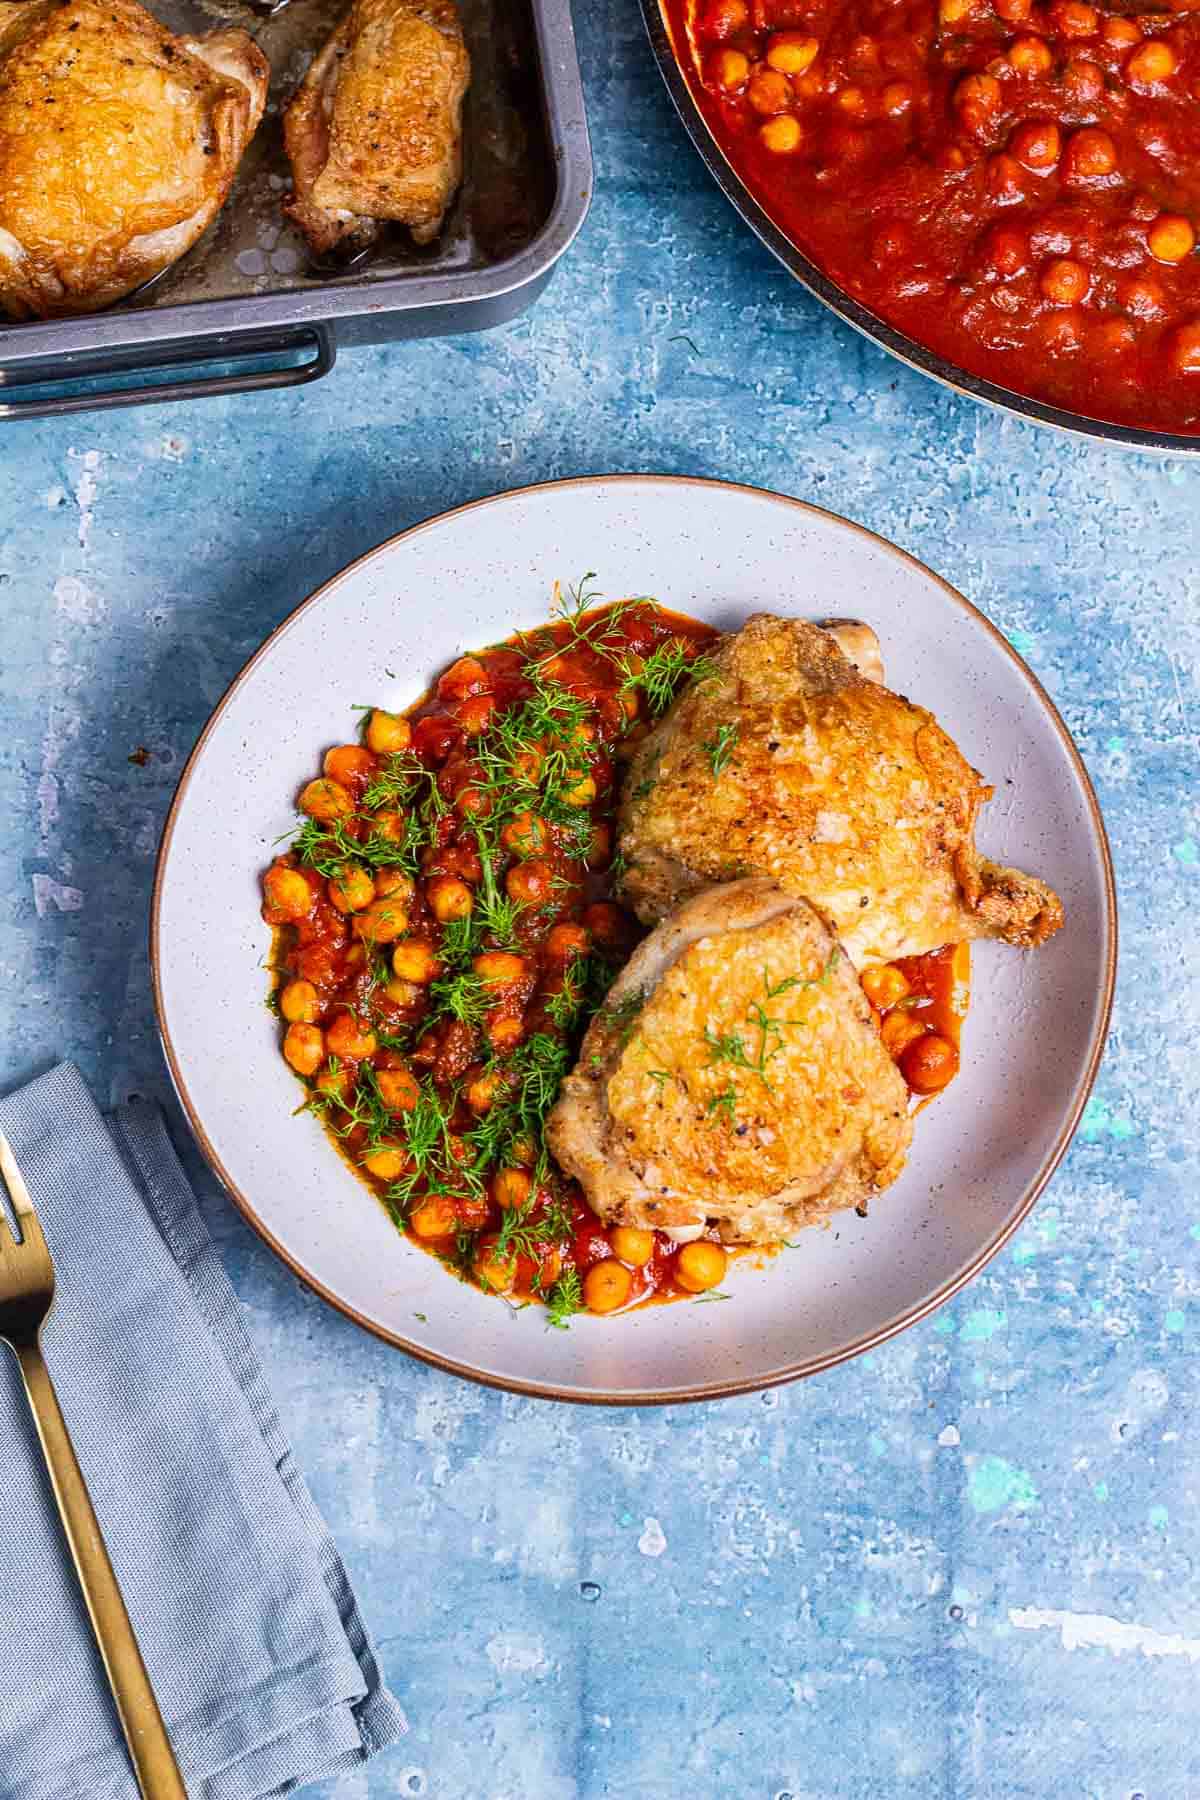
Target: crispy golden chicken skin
point(375, 131)
point(833, 786)
point(118, 146)
point(735, 1074)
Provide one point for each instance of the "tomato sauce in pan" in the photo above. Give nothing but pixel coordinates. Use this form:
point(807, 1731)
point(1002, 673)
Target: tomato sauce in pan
point(1014, 185)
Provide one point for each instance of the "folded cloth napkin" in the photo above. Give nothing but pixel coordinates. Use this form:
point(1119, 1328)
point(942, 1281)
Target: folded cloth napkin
point(244, 1612)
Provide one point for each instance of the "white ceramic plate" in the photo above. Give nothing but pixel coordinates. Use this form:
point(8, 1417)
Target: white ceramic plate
point(376, 633)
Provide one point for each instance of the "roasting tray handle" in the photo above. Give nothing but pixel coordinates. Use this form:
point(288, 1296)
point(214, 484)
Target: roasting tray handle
point(128, 375)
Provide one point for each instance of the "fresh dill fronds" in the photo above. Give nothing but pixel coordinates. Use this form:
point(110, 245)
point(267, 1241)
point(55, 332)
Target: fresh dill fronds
point(727, 1046)
point(330, 848)
point(663, 673)
point(586, 622)
point(724, 1104)
point(730, 1046)
point(564, 1300)
point(578, 597)
point(463, 996)
point(720, 749)
point(404, 780)
point(623, 1014)
point(321, 1101)
point(424, 1131)
point(498, 919)
point(460, 938)
point(532, 1076)
point(530, 1231)
point(564, 1007)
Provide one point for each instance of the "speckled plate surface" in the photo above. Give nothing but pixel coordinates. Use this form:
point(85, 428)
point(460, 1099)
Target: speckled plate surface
point(376, 633)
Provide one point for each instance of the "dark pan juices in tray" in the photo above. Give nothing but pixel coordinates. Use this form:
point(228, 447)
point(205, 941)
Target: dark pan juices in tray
point(446, 928)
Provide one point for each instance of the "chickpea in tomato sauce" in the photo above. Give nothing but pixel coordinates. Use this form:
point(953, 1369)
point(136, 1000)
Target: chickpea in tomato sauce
point(445, 930)
point(921, 1002)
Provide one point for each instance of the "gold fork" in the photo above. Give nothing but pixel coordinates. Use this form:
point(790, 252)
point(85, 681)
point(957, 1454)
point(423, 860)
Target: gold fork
point(26, 1296)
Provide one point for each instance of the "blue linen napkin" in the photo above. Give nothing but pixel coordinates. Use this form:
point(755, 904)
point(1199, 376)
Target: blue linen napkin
point(243, 1609)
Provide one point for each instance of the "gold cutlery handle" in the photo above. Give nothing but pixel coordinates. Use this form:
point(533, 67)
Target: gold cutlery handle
point(149, 1746)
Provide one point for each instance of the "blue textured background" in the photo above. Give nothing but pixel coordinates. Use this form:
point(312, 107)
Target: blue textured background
point(963, 1566)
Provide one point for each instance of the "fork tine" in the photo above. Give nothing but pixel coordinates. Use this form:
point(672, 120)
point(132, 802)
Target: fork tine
point(18, 1193)
point(14, 1181)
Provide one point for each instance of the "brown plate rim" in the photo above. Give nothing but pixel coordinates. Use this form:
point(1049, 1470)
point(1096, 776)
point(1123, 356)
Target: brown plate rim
point(709, 1390)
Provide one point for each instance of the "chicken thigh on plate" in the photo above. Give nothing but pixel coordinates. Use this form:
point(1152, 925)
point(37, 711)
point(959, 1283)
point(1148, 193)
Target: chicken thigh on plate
point(375, 131)
point(788, 762)
point(118, 146)
point(735, 1074)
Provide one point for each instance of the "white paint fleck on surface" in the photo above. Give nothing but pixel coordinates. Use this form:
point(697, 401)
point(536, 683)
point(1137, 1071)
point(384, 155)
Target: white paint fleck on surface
point(55, 497)
point(47, 801)
point(441, 1413)
point(352, 1787)
point(77, 601)
point(653, 1539)
point(548, 1548)
point(518, 1653)
point(1096, 1631)
point(948, 1437)
point(85, 486)
point(49, 893)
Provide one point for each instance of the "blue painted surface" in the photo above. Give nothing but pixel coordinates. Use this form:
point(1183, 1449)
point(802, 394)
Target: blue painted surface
point(962, 1566)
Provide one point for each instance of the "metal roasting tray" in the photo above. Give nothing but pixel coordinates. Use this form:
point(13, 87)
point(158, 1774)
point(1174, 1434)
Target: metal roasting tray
point(249, 300)
point(670, 57)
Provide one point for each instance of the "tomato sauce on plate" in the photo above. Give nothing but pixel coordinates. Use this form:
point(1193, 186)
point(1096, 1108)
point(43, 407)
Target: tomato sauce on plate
point(445, 928)
point(1015, 186)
